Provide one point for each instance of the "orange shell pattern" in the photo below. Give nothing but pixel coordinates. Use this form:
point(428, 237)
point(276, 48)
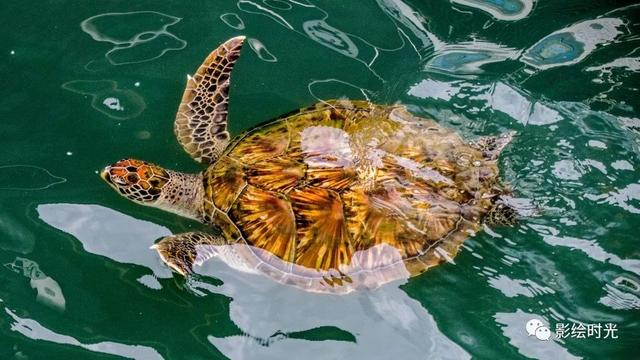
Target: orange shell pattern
point(343, 195)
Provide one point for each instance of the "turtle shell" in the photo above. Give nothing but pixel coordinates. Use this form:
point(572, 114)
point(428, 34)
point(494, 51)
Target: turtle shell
point(347, 194)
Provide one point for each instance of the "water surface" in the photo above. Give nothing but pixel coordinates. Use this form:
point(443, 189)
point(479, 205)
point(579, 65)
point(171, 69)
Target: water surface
point(87, 85)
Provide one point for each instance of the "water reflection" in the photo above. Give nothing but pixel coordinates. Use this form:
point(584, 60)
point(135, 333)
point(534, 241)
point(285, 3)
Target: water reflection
point(385, 322)
point(35, 331)
point(109, 233)
point(486, 99)
point(48, 291)
point(572, 44)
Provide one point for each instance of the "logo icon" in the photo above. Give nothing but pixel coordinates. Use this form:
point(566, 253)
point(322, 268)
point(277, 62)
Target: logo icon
point(536, 327)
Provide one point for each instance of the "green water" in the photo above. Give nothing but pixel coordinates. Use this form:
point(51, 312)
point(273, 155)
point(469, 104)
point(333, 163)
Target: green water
point(79, 280)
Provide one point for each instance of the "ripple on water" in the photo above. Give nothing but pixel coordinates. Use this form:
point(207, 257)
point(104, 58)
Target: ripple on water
point(137, 36)
point(107, 98)
point(412, 20)
point(513, 327)
point(508, 10)
point(278, 4)
point(325, 34)
point(31, 177)
point(572, 44)
point(311, 21)
point(467, 58)
point(232, 20)
point(263, 53)
point(16, 236)
point(623, 293)
point(627, 198)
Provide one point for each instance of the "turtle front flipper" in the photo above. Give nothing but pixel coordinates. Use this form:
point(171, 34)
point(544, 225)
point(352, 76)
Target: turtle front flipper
point(201, 122)
point(180, 252)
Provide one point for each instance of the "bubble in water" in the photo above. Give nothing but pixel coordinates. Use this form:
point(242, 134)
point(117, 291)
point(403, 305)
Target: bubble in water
point(143, 135)
point(113, 103)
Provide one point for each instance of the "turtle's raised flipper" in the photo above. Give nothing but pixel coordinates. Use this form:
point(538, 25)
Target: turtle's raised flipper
point(201, 122)
point(501, 214)
point(492, 146)
point(182, 251)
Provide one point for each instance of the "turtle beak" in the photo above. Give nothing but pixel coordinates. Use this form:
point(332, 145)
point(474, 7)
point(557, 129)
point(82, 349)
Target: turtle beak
point(104, 174)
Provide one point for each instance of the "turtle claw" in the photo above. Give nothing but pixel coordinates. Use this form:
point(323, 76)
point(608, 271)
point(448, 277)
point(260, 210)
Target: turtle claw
point(177, 254)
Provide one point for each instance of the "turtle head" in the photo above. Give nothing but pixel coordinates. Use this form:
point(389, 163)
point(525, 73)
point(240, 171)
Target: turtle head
point(151, 185)
point(137, 180)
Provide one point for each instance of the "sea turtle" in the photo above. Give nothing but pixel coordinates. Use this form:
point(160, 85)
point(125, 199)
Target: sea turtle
point(330, 198)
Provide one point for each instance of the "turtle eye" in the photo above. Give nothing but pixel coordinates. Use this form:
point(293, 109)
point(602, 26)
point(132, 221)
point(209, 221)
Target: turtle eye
point(118, 180)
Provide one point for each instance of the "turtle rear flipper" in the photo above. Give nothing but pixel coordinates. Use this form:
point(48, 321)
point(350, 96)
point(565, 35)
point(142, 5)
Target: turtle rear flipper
point(492, 146)
point(502, 214)
point(180, 252)
point(201, 122)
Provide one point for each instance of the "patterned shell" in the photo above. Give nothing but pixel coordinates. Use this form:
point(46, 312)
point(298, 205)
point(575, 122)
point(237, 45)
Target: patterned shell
point(347, 194)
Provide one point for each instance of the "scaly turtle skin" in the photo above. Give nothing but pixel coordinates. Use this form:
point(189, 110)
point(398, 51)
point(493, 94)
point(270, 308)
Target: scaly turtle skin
point(338, 196)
